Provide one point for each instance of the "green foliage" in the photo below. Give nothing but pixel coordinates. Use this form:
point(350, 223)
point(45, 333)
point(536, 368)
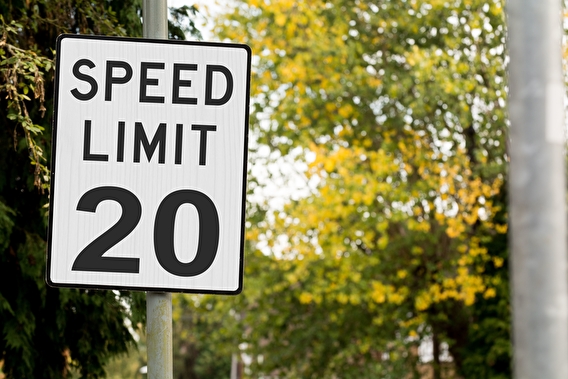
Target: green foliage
point(176, 24)
point(47, 332)
point(487, 352)
point(128, 365)
point(198, 342)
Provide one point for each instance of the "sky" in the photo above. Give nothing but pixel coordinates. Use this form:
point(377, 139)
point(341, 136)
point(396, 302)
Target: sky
point(203, 5)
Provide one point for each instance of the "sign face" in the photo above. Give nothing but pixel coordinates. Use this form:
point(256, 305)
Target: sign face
point(149, 158)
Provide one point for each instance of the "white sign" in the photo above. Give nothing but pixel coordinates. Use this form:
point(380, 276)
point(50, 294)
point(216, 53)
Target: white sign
point(149, 165)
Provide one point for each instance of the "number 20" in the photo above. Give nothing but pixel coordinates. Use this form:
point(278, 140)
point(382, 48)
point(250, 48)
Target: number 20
point(91, 257)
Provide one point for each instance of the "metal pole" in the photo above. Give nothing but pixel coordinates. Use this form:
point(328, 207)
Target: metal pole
point(159, 335)
point(537, 190)
point(158, 304)
point(155, 19)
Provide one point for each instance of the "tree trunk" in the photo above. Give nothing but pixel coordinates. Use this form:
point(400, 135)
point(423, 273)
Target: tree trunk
point(436, 361)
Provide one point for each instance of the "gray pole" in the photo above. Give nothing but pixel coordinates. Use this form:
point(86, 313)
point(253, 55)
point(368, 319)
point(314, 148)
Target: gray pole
point(158, 304)
point(155, 19)
point(537, 190)
point(159, 335)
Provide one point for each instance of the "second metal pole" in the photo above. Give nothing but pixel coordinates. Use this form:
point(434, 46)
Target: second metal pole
point(537, 190)
point(158, 304)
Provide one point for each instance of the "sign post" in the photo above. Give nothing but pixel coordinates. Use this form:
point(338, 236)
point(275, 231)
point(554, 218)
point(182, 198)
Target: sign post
point(148, 173)
point(159, 345)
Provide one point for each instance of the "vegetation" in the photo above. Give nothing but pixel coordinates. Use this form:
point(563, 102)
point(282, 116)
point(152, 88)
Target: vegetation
point(48, 332)
point(396, 108)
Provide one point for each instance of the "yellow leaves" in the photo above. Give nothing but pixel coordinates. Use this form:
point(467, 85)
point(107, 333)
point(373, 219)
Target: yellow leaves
point(475, 250)
point(252, 234)
point(462, 67)
point(293, 72)
point(469, 86)
point(417, 250)
point(472, 286)
point(411, 61)
point(364, 347)
point(329, 165)
point(374, 82)
point(379, 320)
point(306, 298)
point(422, 301)
point(449, 283)
point(379, 292)
point(381, 163)
point(455, 227)
point(312, 218)
point(449, 87)
point(415, 56)
point(489, 293)
point(383, 241)
point(353, 182)
point(471, 217)
point(382, 225)
point(495, 8)
point(354, 299)
point(502, 229)
point(346, 111)
point(465, 260)
point(396, 297)
point(280, 19)
point(498, 262)
point(342, 298)
point(330, 107)
point(487, 190)
point(318, 298)
point(419, 226)
point(355, 276)
point(292, 278)
point(368, 198)
point(463, 288)
point(357, 197)
point(463, 285)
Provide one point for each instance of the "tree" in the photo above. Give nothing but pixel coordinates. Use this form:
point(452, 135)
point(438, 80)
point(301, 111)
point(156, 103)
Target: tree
point(197, 344)
point(45, 331)
point(397, 108)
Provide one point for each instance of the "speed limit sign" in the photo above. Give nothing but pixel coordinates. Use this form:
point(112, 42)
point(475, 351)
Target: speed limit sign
point(149, 157)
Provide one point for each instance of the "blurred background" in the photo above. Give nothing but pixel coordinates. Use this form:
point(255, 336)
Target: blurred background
point(376, 232)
